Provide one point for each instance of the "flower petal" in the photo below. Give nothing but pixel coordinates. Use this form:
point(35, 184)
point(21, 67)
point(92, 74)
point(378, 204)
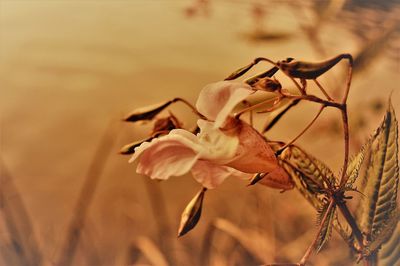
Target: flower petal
point(210, 175)
point(278, 178)
point(170, 155)
point(218, 147)
point(253, 155)
point(217, 100)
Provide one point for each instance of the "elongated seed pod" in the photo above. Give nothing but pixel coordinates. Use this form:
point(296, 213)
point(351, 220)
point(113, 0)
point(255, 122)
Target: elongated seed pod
point(308, 70)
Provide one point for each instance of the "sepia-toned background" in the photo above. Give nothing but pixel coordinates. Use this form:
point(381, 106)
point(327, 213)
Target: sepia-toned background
point(71, 70)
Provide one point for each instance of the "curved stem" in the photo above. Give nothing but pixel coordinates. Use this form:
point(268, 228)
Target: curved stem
point(343, 178)
point(189, 105)
point(323, 90)
point(302, 132)
point(313, 98)
point(255, 106)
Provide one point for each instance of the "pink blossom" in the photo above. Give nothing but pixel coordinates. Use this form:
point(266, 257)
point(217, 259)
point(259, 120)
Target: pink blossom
point(224, 147)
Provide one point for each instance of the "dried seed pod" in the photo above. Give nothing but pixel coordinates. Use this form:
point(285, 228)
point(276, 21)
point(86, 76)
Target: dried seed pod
point(148, 112)
point(192, 213)
point(243, 70)
point(307, 70)
point(267, 74)
point(130, 148)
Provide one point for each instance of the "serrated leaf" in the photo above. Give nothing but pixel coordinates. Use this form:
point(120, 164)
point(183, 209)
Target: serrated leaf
point(390, 252)
point(353, 169)
point(311, 176)
point(192, 213)
point(380, 181)
point(387, 230)
point(326, 231)
point(344, 231)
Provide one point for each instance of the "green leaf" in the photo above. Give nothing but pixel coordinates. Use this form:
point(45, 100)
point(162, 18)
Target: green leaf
point(380, 182)
point(326, 231)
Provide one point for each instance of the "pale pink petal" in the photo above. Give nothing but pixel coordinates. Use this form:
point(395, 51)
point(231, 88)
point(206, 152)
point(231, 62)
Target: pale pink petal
point(253, 155)
point(218, 147)
point(217, 100)
point(170, 155)
point(210, 175)
point(278, 178)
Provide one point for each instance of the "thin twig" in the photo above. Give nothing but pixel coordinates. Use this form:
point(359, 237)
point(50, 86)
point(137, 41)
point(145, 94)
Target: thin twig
point(189, 105)
point(279, 116)
point(255, 106)
point(313, 98)
point(323, 90)
point(302, 132)
point(343, 178)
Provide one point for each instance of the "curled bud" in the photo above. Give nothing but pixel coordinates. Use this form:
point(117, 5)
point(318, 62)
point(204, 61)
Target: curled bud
point(256, 178)
point(147, 113)
point(307, 70)
point(191, 214)
point(268, 84)
point(166, 124)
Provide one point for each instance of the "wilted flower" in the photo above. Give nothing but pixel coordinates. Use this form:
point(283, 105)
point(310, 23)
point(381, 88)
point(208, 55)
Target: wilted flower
point(225, 145)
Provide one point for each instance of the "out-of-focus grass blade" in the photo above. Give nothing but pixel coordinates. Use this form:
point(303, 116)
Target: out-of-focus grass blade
point(151, 251)
point(73, 233)
point(373, 49)
point(23, 249)
point(252, 242)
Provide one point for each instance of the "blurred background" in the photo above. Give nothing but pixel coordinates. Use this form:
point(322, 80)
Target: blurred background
point(71, 70)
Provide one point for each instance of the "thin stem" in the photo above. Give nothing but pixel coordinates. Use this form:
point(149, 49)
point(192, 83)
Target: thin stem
point(349, 78)
point(272, 108)
point(189, 105)
point(255, 106)
point(323, 90)
point(344, 178)
point(280, 115)
point(302, 132)
point(350, 220)
point(302, 90)
point(314, 243)
point(313, 98)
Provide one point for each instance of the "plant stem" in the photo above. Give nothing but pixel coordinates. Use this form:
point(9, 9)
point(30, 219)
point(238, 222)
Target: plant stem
point(343, 178)
point(313, 98)
point(302, 132)
point(189, 105)
point(323, 90)
point(350, 220)
point(314, 243)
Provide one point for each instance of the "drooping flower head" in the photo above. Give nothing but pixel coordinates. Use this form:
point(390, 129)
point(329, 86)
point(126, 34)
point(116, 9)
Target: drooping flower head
point(225, 146)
